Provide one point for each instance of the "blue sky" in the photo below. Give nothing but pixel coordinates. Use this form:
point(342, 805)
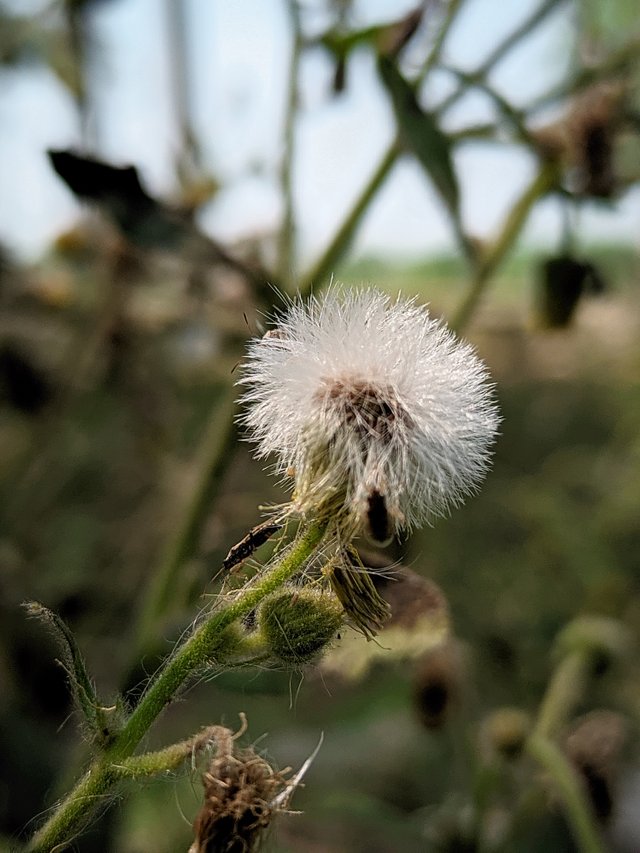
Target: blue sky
point(239, 51)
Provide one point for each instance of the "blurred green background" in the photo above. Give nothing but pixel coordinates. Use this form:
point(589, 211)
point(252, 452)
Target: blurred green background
point(123, 482)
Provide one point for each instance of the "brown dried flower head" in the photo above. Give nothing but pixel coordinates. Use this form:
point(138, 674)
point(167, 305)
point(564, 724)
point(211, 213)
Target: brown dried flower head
point(240, 798)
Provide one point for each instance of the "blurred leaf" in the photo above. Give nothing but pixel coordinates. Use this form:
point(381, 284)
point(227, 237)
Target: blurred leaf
point(388, 39)
point(56, 52)
point(607, 22)
point(24, 40)
point(341, 44)
point(420, 132)
point(25, 386)
point(15, 36)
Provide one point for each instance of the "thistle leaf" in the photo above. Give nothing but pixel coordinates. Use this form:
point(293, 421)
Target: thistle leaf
point(98, 719)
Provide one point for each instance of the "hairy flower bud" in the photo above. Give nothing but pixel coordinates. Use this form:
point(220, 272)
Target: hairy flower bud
point(505, 731)
point(298, 623)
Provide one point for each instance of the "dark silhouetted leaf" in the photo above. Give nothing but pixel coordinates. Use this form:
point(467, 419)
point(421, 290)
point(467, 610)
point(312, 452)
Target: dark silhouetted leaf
point(117, 188)
point(421, 134)
point(22, 383)
point(563, 281)
point(143, 220)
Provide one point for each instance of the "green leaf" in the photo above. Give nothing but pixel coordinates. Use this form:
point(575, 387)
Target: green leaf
point(341, 44)
point(99, 720)
point(421, 134)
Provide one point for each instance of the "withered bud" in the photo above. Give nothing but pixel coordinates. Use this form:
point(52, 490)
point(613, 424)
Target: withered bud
point(354, 588)
point(593, 124)
point(437, 685)
point(240, 790)
point(563, 281)
point(584, 139)
point(594, 747)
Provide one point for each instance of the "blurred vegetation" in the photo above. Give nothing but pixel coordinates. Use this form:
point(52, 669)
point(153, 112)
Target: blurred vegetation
point(123, 483)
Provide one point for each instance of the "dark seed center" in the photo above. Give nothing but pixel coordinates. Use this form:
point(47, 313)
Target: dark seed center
point(366, 408)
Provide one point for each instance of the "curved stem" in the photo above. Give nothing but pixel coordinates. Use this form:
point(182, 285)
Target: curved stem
point(563, 693)
point(343, 236)
point(187, 661)
point(501, 50)
point(543, 182)
point(575, 804)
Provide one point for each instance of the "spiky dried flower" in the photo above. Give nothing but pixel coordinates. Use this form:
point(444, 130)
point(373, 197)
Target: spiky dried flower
point(384, 418)
point(240, 788)
point(242, 795)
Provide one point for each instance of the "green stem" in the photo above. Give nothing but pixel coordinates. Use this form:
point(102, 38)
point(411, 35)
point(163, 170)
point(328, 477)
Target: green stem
point(287, 233)
point(164, 760)
point(190, 155)
point(577, 809)
point(501, 50)
point(324, 265)
point(612, 65)
point(514, 116)
point(452, 12)
point(529, 24)
point(343, 236)
point(563, 693)
point(211, 461)
point(187, 661)
point(543, 182)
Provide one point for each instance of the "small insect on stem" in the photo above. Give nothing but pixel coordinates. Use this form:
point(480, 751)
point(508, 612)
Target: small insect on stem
point(378, 527)
point(256, 537)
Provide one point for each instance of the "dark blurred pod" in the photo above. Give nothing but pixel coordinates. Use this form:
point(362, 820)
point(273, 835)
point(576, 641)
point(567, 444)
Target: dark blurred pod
point(563, 280)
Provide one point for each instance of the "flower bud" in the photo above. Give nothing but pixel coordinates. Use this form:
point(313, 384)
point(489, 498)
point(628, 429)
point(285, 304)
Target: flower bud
point(298, 623)
point(603, 639)
point(505, 731)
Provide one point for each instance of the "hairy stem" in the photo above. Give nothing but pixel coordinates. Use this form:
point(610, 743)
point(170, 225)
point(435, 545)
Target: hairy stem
point(563, 693)
point(187, 662)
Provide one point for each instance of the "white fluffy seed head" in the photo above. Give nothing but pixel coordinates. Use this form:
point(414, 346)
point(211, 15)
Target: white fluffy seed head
point(385, 419)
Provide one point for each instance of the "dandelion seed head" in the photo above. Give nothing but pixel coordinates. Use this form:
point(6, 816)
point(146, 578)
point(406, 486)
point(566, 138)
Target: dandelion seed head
point(382, 415)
